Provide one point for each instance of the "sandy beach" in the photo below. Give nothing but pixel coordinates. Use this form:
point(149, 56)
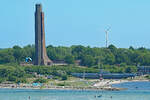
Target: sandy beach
point(99, 85)
point(106, 83)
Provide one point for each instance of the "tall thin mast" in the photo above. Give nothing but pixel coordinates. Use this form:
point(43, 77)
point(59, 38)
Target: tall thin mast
point(106, 31)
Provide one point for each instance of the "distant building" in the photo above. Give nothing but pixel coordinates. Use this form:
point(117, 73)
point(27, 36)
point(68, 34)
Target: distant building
point(77, 62)
point(104, 75)
point(144, 69)
point(50, 77)
point(59, 62)
point(86, 75)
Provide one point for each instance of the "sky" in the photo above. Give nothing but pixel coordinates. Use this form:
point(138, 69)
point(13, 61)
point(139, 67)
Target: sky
point(77, 22)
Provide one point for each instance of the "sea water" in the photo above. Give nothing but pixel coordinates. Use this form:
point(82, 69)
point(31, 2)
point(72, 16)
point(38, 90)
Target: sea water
point(136, 91)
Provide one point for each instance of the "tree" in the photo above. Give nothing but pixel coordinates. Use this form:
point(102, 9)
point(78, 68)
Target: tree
point(131, 48)
point(122, 57)
point(28, 51)
point(87, 60)
point(78, 51)
point(69, 59)
point(109, 59)
point(17, 53)
point(131, 69)
point(113, 49)
point(6, 56)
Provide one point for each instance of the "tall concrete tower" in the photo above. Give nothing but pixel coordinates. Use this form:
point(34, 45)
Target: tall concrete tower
point(41, 57)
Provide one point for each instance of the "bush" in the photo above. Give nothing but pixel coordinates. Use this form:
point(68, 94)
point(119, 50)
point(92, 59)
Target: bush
point(21, 80)
point(64, 77)
point(1, 80)
point(148, 76)
point(12, 78)
point(40, 80)
point(61, 84)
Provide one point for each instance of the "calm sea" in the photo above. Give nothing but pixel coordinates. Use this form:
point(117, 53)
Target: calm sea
point(136, 91)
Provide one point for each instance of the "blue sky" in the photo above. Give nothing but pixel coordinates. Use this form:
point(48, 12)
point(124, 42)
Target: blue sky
point(77, 22)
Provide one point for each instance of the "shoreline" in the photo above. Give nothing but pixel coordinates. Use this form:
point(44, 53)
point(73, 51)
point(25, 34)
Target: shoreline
point(64, 88)
point(124, 81)
point(101, 85)
point(111, 82)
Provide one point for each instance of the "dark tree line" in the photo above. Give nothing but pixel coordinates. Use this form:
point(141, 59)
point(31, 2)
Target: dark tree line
point(87, 55)
point(20, 74)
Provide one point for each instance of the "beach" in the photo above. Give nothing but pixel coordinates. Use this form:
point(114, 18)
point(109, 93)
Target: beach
point(111, 82)
point(98, 85)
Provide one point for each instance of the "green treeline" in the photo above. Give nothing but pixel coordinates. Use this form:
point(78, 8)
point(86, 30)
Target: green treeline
point(88, 56)
point(28, 74)
point(112, 59)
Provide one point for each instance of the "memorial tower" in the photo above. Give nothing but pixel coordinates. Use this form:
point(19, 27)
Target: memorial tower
point(41, 57)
